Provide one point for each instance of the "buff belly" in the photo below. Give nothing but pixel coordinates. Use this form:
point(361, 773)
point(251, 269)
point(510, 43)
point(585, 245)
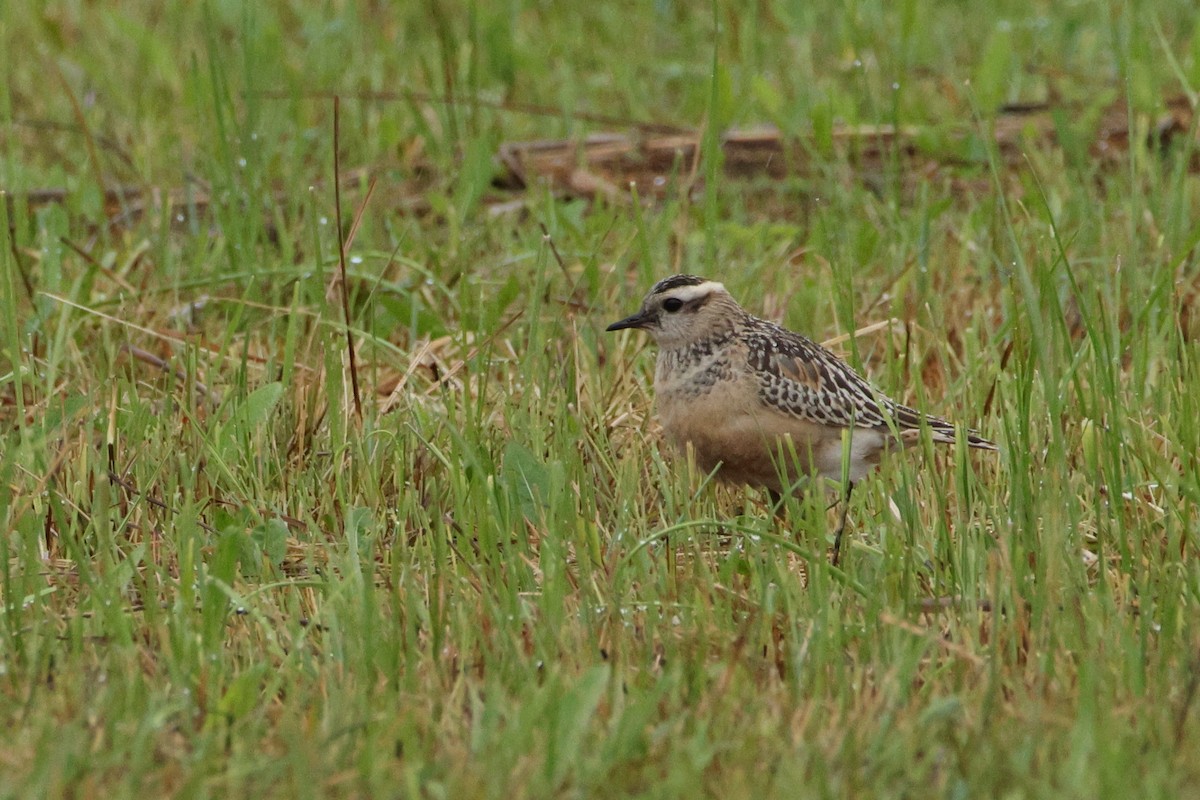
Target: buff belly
point(729, 427)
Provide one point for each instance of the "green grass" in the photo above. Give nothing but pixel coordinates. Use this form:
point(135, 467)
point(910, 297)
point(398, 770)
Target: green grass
point(218, 580)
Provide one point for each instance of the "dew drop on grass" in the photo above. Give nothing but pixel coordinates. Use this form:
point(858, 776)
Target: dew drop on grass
point(242, 163)
point(356, 259)
point(895, 86)
point(323, 220)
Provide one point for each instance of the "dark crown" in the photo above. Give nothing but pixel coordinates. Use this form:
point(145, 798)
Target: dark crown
point(676, 281)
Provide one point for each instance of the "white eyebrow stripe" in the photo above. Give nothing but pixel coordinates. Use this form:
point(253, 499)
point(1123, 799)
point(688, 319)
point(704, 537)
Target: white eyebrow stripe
point(689, 293)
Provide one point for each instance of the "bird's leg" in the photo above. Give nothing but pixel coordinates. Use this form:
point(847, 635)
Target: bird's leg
point(837, 536)
point(781, 515)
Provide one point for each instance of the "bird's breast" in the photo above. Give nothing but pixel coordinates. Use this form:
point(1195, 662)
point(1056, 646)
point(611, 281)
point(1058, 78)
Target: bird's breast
point(714, 409)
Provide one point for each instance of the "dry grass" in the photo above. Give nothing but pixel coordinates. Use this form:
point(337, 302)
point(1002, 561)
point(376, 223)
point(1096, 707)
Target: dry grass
point(220, 578)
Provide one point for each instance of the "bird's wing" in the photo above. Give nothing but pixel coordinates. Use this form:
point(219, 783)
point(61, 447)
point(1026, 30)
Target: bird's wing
point(801, 378)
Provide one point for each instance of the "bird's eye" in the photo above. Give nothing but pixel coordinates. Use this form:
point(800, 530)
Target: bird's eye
point(672, 304)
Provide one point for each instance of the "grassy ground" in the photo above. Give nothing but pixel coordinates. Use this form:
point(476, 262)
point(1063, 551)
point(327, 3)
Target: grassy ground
point(219, 579)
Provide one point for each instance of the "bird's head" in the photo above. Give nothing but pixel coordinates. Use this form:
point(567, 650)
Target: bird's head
point(683, 309)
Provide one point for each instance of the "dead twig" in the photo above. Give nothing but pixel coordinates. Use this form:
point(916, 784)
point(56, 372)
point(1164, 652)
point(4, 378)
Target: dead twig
point(132, 490)
point(342, 244)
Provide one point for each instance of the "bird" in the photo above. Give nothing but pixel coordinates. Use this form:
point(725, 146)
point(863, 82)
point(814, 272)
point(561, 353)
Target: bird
point(761, 405)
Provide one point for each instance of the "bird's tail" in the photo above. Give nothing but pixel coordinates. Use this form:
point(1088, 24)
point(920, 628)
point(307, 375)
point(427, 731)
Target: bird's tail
point(910, 421)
